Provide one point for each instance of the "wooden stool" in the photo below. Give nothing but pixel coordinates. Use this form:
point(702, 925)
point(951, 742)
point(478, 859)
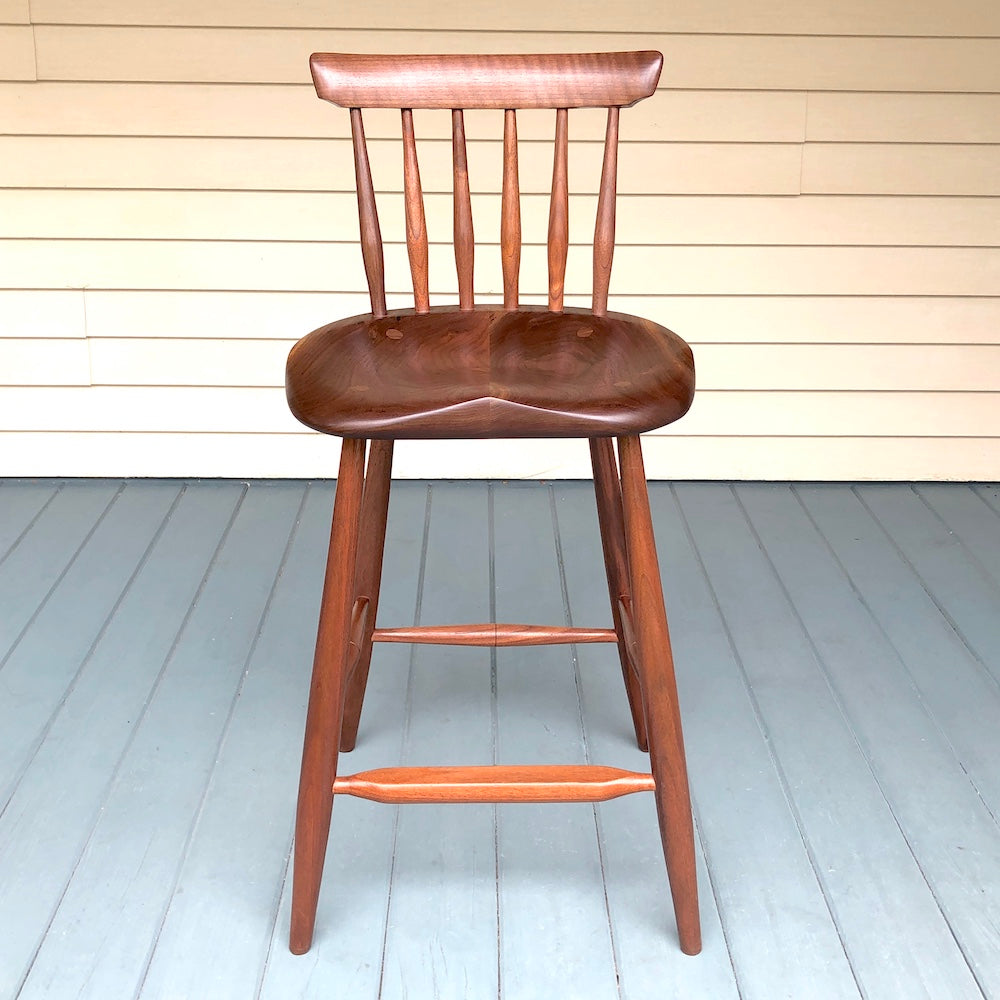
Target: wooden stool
point(489, 372)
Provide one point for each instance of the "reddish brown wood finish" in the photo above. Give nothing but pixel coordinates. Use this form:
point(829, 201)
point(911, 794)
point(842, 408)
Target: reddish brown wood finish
point(416, 226)
point(540, 783)
point(489, 373)
point(479, 372)
point(465, 244)
point(604, 230)
point(323, 721)
point(510, 213)
point(564, 80)
point(659, 689)
point(559, 213)
point(494, 634)
point(371, 237)
point(607, 488)
point(374, 511)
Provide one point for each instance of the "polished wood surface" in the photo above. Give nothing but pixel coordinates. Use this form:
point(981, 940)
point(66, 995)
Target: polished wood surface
point(489, 373)
point(604, 229)
point(416, 225)
point(326, 698)
point(659, 689)
point(565, 80)
point(368, 578)
point(465, 245)
point(559, 212)
point(610, 517)
point(495, 634)
point(510, 213)
point(371, 236)
point(494, 783)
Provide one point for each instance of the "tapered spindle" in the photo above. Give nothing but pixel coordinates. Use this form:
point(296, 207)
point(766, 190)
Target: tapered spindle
point(559, 213)
point(416, 226)
point(604, 231)
point(371, 237)
point(510, 213)
point(464, 239)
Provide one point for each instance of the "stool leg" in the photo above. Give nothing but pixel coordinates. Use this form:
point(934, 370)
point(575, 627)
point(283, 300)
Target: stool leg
point(374, 508)
point(326, 698)
point(656, 666)
point(607, 487)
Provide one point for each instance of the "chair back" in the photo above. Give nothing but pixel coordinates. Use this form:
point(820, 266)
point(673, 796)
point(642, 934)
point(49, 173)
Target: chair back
point(612, 80)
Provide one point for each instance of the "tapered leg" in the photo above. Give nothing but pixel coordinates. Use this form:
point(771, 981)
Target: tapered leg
point(609, 513)
point(326, 698)
point(374, 508)
point(656, 667)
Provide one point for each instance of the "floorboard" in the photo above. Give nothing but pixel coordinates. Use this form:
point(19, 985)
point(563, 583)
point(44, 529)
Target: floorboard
point(837, 656)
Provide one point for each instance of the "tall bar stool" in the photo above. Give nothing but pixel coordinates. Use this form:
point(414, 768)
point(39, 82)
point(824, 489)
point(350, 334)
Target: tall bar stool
point(489, 371)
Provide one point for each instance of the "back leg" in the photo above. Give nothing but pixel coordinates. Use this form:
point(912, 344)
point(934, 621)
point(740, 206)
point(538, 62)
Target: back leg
point(656, 666)
point(607, 487)
point(326, 698)
point(374, 511)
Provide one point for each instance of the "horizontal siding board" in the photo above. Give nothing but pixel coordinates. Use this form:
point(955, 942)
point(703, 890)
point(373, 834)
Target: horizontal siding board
point(782, 367)
point(701, 319)
point(222, 109)
point(719, 60)
point(669, 219)
point(674, 457)
point(882, 168)
point(17, 53)
point(930, 118)
point(639, 270)
point(38, 361)
point(14, 12)
point(964, 17)
point(714, 414)
point(59, 315)
point(317, 164)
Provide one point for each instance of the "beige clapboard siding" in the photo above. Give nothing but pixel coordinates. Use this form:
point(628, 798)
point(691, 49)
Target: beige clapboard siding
point(714, 413)
point(314, 455)
point(14, 12)
point(50, 314)
point(700, 319)
point(882, 168)
point(882, 118)
point(848, 17)
point(723, 60)
point(324, 164)
point(38, 361)
point(189, 109)
point(676, 219)
point(639, 270)
point(781, 367)
point(17, 53)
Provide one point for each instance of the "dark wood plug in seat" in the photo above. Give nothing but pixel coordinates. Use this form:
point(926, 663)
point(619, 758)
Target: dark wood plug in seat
point(485, 371)
point(488, 373)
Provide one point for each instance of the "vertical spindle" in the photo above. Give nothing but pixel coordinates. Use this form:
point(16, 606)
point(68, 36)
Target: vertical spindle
point(510, 214)
point(559, 213)
point(604, 230)
point(371, 237)
point(464, 239)
point(416, 226)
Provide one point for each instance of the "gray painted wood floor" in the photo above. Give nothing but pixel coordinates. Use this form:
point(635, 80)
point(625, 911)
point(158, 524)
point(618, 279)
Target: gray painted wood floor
point(838, 652)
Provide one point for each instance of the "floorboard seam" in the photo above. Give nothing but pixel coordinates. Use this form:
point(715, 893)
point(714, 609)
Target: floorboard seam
point(220, 745)
point(765, 735)
point(113, 779)
point(41, 510)
point(105, 625)
point(842, 709)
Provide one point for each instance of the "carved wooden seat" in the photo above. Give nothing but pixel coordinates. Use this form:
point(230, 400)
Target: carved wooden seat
point(484, 371)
